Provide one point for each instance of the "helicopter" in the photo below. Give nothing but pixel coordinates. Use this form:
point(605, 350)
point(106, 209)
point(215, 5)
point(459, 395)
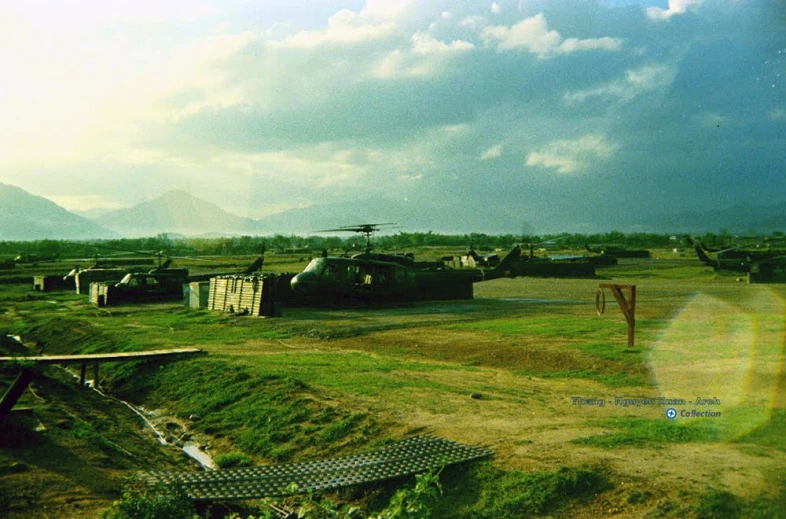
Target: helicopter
point(165, 282)
point(763, 265)
point(139, 283)
point(616, 251)
point(371, 276)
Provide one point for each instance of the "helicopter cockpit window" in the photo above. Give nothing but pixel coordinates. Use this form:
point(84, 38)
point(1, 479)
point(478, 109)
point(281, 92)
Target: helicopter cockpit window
point(331, 270)
point(315, 266)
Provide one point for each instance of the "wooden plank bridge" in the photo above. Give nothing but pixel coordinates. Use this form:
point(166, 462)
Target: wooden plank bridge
point(414, 455)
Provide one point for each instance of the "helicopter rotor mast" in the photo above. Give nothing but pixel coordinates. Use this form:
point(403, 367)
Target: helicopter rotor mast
point(367, 229)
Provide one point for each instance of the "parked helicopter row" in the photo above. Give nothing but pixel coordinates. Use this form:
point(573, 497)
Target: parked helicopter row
point(760, 264)
point(376, 276)
point(131, 278)
point(373, 276)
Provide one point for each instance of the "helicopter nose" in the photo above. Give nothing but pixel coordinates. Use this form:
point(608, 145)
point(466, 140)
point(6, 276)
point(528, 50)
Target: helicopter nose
point(300, 284)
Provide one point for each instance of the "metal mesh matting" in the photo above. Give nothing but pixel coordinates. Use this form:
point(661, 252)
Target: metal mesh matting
point(414, 455)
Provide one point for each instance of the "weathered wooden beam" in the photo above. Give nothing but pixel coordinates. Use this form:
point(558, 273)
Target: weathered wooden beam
point(14, 392)
point(103, 357)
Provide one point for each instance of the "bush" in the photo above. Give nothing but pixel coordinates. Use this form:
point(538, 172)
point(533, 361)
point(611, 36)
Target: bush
point(141, 501)
point(233, 459)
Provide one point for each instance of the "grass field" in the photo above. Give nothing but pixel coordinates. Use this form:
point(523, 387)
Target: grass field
point(528, 368)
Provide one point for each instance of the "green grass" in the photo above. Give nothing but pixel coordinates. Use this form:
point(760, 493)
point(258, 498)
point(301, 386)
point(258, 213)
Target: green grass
point(547, 327)
point(232, 460)
point(299, 404)
point(595, 339)
point(484, 490)
point(360, 373)
point(640, 432)
point(771, 434)
point(268, 415)
point(714, 503)
point(684, 273)
point(89, 433)
point(612, 380)
point(85, 332)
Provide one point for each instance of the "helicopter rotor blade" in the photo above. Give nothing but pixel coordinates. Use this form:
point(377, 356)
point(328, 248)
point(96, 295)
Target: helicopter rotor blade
point(363, 227)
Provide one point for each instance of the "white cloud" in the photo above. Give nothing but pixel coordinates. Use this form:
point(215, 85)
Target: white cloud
point(574, 44)
point(344, 28)
point(426, 57)
point(320, 166)
point(492, 153)
point(533, 35)
point(572, 156)
point(635, 82)
point(675, 7)
point(495, 8)
point(78, 86)
point(425, 44)
point(530, 34)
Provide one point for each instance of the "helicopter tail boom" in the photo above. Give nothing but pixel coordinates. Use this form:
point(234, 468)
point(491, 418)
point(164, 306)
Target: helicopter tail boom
point(507, 266)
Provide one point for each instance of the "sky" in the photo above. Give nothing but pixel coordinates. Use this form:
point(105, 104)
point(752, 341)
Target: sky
point(567, 114)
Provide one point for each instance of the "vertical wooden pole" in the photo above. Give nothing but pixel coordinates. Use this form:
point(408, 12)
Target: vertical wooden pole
point(82, 370)
point(630, 316)
point(628, 307)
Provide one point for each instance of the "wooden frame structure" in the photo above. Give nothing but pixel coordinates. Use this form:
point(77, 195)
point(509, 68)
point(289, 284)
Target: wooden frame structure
point(27, 375)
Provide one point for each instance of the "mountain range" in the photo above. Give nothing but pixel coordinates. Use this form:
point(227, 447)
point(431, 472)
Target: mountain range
point(24, 216)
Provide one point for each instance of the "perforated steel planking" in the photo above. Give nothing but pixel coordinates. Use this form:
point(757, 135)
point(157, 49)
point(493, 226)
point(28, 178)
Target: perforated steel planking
point(414, 455)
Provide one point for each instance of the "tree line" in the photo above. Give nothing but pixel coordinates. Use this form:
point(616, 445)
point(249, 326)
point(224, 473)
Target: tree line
point(244, 245)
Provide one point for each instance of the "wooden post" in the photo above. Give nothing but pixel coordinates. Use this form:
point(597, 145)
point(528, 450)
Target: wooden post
point(95, 375)
point(82, 370)
point(628, 306)
point(15, 392)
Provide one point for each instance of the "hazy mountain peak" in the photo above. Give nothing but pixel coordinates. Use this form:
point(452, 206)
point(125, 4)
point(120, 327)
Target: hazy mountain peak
point(24, 216)
point(176, 211)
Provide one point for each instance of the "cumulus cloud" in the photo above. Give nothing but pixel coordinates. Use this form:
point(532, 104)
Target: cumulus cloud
point(343, 28)
point(675, 7)
point(574, 44)
point(572, 156)
point(533, 35)
point(425, 44)
point(427, 56)
point(389, 96)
